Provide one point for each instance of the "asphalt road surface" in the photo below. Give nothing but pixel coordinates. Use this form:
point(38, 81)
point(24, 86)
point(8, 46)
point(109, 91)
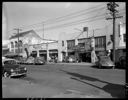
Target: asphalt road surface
point(66, 81)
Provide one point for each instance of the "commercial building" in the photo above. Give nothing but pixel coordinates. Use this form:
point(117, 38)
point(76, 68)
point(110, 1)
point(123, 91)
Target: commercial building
point(67, 47)
point(103, 41)
point(33, 44)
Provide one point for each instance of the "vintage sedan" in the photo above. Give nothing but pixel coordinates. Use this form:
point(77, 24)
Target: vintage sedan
point(105, 62)
point(30, 61)
point(39, 61)
point(10, 68)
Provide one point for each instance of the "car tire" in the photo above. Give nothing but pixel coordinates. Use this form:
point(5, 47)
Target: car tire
point(6, 74)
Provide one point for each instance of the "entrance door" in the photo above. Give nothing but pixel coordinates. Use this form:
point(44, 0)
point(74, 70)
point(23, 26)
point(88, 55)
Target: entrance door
point(34, 53)
point(82, 57)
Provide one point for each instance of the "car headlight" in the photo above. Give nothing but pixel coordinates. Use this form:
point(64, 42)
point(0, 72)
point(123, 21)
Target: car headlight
point(12, 70)
point(25, 68)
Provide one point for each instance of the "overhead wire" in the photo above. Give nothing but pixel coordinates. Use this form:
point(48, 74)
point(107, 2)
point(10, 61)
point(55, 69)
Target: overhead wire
point(72, 14)
point(70, 17)
point(40, 23)
point(77, 22)
point(23, 27)
point(90, 31)
point(95, 17)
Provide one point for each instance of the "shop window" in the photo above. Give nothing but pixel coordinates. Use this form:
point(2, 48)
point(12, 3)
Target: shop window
point(100, 42)
point(111, 36)
point(16, 50)
point(12, 45)
point(81, 44)
point(16, 44)
point(70, 44)
point(20, 43)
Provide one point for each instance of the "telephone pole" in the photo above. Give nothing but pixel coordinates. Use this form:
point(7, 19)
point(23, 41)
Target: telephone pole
point(18, 30)
point(112, 8)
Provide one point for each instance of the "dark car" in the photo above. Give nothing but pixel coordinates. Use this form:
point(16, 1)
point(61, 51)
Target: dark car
point(104, 61)
point(10, 68)
point(17, 57)
point(121, 63)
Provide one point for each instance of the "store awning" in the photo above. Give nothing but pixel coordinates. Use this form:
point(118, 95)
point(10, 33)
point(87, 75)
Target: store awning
point(42, 52)
point(53, 51)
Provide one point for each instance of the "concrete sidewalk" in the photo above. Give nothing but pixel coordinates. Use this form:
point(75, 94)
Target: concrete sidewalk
point(82, 63)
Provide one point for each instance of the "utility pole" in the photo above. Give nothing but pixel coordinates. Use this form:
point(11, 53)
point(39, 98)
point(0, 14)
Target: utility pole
point(18, 30)
point(112, 8)
point(93, 33)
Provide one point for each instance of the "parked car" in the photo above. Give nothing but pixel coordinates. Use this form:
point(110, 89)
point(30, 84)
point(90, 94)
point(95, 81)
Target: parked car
point(23, 60)
point(17, 57)
point(39, 61)
point(71, 59)
point(30, 60)
point(10, 68)
point(121, 63)
point(104, 61)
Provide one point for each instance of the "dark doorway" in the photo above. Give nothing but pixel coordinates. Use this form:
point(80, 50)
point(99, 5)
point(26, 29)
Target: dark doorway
point(82, 57)
point(34, 54)
point(85, 57)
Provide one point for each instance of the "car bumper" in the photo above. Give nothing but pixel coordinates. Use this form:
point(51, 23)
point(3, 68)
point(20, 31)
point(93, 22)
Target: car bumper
point(108, 65)
point(16, 74)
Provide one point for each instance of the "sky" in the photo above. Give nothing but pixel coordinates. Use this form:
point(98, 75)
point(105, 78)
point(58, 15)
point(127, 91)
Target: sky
point(23, 14)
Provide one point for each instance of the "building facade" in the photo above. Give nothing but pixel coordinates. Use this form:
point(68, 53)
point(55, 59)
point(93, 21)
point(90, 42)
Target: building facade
point(34, 45)
point(68, 47)
point(103, 41)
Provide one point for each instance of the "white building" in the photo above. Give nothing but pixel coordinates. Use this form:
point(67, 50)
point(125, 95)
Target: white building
point(33, 43)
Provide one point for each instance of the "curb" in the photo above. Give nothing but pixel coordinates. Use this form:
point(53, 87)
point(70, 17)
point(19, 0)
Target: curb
point(77, 63)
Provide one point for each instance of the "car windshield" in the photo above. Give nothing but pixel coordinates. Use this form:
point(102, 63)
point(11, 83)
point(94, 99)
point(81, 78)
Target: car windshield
point(10, 62)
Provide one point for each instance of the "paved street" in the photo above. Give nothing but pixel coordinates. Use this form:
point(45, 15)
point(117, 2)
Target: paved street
point(66, 81)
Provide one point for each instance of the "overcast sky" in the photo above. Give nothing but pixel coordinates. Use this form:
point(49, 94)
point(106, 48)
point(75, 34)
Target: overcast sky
point(21, 14)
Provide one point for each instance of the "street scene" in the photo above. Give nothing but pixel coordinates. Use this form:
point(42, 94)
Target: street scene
point(63, 50)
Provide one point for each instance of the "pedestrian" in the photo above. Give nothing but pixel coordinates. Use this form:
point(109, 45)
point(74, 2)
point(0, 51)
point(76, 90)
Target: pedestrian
point(109, 53)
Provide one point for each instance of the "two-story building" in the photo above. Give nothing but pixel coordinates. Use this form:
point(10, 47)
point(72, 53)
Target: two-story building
point(103, 41)
point(34, 45)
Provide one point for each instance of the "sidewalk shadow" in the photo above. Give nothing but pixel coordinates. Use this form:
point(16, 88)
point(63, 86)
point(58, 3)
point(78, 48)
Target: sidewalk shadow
point(116, 90)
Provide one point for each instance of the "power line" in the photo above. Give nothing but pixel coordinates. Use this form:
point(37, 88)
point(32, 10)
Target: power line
point(43, 23)
point(89, 31)
point(66, 15)
point(76, 22)
point(59, 25)
point(74, 16)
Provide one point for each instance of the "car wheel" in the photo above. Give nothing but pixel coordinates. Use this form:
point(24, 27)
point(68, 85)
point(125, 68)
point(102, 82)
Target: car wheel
point(6, 74)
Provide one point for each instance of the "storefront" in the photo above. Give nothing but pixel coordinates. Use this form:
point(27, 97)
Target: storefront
point(34, 54)
point(53, 52)
point(43, 53)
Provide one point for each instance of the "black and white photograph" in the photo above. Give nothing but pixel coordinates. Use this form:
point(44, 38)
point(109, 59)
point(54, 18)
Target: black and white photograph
point(63, 50)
